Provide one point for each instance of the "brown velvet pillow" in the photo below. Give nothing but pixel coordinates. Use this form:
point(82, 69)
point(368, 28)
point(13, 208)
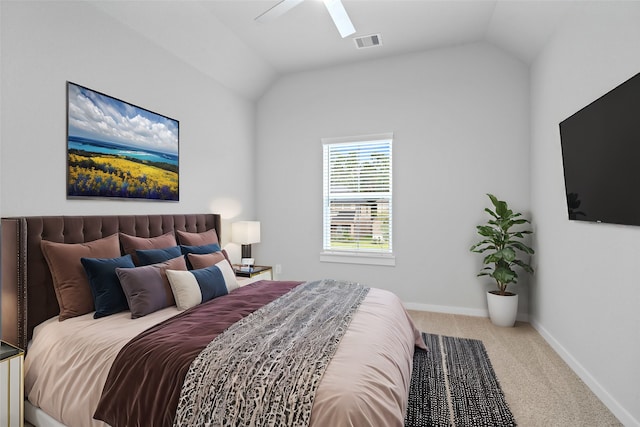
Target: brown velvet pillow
point(147, 288)
point(199, 261)
point(131, 243)
point(197, 239)
point(70, 280)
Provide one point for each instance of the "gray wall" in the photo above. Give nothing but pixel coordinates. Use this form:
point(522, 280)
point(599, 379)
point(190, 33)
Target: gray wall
point(585, 296)
point(44, 44)
point(460, 118)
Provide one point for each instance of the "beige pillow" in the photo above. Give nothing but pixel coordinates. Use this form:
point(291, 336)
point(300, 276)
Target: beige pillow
point(132, 243)
point(197, 239)
point(70, 280)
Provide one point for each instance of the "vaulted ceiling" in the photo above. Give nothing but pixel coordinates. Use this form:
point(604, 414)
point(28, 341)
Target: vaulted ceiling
point(221, 38)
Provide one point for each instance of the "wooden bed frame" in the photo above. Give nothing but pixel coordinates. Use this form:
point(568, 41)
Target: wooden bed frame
point(28, 297)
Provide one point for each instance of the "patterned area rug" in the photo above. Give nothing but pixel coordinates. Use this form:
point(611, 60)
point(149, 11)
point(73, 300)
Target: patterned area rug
point(453, 384)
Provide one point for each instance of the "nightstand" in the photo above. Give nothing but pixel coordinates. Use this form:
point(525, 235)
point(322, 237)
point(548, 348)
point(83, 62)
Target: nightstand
point(258, 272)
point(11, 386)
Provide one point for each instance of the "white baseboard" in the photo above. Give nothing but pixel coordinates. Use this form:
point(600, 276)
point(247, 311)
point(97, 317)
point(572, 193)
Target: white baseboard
point(465, 311)
point(609, 401)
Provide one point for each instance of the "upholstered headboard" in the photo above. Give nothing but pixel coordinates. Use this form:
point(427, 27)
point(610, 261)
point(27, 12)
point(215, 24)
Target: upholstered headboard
point(28, 296)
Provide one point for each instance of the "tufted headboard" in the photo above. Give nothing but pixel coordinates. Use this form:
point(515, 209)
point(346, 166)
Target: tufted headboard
point(28, 297)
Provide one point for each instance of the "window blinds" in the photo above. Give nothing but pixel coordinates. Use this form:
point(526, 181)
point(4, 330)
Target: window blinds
point(357, 196)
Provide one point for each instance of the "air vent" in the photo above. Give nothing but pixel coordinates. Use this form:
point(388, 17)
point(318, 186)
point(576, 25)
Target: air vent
point(368, 41)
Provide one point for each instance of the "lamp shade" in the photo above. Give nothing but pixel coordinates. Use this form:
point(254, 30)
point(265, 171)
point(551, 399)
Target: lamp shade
point(245, 232)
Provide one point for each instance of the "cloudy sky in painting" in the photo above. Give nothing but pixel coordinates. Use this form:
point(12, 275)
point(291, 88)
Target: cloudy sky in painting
point(102, 118)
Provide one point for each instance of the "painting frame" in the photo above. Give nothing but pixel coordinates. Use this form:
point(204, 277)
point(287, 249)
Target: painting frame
point(117, 150)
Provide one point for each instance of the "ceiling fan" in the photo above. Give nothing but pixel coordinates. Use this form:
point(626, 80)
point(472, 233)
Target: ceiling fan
point(335, 7)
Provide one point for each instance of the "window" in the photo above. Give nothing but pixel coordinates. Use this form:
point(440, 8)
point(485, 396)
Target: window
point(357, 200)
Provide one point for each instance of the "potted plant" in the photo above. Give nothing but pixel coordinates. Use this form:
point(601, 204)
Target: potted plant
point(502, 247)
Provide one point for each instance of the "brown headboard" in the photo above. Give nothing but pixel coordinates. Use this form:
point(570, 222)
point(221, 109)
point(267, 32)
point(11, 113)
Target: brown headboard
point(28, 297)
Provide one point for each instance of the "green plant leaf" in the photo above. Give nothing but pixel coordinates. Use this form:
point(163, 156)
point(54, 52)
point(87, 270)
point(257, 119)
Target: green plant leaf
point(526, 267)
point(508, 254)
point(487, 231)
point(492, 257)
point(504, 275)
point(501, 207)
point(479, 249)
point(490, 212)
point(521, 246)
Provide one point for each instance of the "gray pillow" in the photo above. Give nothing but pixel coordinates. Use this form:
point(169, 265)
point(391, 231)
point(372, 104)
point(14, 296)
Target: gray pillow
point(147, 288)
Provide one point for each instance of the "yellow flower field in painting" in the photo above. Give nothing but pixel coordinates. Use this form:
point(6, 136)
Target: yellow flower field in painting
point(118, 176)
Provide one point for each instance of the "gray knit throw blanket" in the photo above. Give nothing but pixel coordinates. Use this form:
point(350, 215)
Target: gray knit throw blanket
point(264, 370)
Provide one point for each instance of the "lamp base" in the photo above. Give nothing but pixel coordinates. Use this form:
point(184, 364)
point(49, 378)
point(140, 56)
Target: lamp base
point(246, 251)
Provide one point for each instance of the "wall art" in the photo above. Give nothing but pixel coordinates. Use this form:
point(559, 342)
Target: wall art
point(118, 150)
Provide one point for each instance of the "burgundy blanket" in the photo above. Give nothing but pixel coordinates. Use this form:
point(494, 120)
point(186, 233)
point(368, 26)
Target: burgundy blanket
point(144, 383)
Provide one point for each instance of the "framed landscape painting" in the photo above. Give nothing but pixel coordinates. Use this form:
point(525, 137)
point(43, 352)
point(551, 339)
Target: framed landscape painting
point(118, 150)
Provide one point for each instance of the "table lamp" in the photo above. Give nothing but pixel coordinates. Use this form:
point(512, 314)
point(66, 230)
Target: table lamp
point(245, 233)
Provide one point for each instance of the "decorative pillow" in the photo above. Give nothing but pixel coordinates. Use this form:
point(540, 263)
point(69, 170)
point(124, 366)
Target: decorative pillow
point(70, 281)
point(194, 287)
point(201, 249)
point(226, 256)
point(147, 288)
point(108, 297)
point(206, 260)
point(154, 256)
point(197, 239)
point(131, 243)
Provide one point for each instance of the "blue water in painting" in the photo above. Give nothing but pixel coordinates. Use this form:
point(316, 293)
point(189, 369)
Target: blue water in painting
point(102, 147)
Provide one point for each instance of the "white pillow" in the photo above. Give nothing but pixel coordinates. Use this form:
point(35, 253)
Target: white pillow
point(229, 276)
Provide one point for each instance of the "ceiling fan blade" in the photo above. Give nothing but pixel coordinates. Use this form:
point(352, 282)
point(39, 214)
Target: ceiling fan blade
point(340, 17)
point(279, 9)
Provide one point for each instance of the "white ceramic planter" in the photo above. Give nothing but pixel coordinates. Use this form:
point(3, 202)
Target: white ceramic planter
point(503, 309)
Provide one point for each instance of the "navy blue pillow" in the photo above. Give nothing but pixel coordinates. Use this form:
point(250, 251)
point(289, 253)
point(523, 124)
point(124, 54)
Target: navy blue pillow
point(204, 249)
point(108, 297)
point(156, 256)
point(211, 282)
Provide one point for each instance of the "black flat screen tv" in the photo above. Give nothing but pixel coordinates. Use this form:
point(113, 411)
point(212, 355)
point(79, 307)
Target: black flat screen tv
point(601, 157)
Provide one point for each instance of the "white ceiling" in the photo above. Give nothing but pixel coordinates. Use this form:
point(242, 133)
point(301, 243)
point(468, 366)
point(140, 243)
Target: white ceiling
point(221, 38)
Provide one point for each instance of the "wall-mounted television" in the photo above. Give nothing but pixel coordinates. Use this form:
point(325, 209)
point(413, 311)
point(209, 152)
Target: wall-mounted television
point(601, 157)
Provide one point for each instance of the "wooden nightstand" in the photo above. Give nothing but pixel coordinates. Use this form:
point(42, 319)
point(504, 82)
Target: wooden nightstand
point(259, 272)
point(11, 386)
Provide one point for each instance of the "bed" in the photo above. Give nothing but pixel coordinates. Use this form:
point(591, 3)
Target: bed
point(77, 368)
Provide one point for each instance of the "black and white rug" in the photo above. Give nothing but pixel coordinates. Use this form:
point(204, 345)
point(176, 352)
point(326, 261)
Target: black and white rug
point(453, 384)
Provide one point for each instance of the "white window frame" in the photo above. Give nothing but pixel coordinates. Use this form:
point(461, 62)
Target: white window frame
point(354, 256)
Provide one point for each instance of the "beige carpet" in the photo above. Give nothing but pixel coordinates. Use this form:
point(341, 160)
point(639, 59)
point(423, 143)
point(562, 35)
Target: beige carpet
point(539, 386)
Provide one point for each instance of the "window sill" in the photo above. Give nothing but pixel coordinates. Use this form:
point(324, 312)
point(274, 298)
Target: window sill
point(358, 258)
